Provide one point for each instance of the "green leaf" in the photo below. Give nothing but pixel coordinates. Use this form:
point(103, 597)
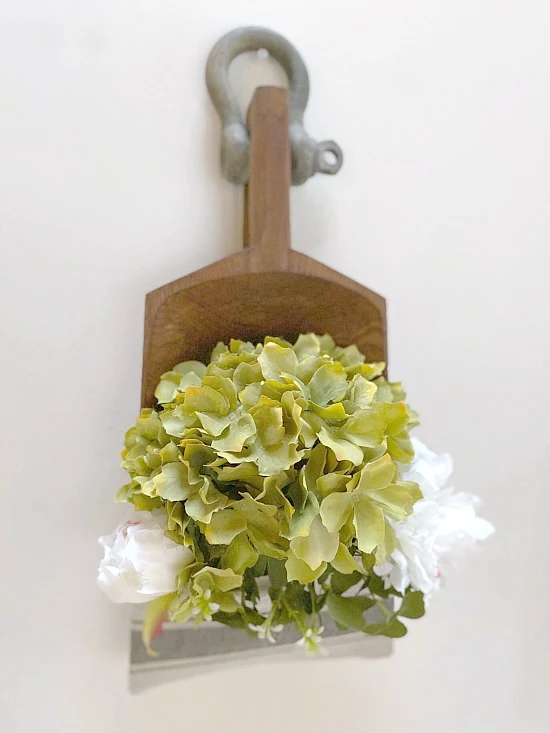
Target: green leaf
point(376, 586)
point(277, 573)
point(368, 561)
point(412, 605)
point(340, 582)
point(155, 614)
point(394, 629)
point(233, 620)
point(348, 612)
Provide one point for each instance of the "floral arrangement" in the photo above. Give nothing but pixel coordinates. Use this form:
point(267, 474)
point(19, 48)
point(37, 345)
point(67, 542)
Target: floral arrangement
point(292, 464)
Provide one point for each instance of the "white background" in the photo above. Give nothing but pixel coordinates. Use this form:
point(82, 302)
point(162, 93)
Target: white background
point(110, 188)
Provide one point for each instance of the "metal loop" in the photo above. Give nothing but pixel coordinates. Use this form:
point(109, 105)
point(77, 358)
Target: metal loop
point(308, 156)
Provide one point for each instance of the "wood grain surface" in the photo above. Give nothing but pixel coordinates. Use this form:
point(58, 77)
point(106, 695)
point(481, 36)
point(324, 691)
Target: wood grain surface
point(267, 289)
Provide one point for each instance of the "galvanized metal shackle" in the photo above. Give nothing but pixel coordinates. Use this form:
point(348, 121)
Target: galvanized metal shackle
point(308, 156)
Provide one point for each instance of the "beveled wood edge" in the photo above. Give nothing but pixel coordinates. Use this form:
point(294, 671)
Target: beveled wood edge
point(238, 264)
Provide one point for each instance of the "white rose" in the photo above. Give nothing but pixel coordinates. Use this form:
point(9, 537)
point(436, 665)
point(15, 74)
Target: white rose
point(140, 562)
point(442, 525)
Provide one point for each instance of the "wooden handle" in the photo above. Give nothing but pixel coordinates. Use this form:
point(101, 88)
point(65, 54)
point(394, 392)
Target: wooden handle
point(267, 212)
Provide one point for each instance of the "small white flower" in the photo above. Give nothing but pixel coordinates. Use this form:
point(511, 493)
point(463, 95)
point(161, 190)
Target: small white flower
point(203, 606)
point(312, 639)
point(140, 563)
point(266, 631)
point(443, 524)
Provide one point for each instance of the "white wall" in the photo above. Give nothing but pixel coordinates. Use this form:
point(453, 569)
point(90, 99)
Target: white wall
point(110, 187)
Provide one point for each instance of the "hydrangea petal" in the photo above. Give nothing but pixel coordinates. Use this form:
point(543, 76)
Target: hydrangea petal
point(224, 526)
point(301, 521)
point(170, 483)
point(275, 359)
point(185, 368)
point(336, 509)
point(328, 384)
point(299, 570)
point(343, 449)
point(318, 546)
point(343, 561)
point(377, 474)
point(236, 435)
point(307, 344)
point(369, 523)
point(240, 554)
point(365, 428)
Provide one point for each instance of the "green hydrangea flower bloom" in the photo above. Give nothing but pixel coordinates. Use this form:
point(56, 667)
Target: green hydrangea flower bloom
point(276, 460)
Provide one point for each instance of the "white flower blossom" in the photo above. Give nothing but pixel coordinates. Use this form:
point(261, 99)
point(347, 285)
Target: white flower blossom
point(203, 605)
point(266, 630)
point(140, 563)
point(312, 639)
point(443, 524)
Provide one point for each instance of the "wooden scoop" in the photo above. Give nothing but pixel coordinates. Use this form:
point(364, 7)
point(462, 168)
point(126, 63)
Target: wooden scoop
point(267, 289)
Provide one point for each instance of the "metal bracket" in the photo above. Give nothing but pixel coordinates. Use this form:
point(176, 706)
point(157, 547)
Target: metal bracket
point(308, 156)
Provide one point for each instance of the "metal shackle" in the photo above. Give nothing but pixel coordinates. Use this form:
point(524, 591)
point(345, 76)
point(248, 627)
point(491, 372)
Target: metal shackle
point(308, 156)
